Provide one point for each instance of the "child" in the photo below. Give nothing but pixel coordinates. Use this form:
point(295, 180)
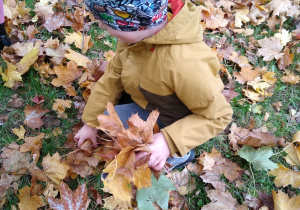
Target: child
point(4, 40)
point(162, 64)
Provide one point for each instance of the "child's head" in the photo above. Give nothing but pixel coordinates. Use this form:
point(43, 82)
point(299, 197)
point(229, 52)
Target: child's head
point(129, 15)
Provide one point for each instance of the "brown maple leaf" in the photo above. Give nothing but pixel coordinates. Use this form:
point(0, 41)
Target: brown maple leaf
point(252, 137)
point(70, 200)
point(33, 144)
point(33, 116)
point(286, 60)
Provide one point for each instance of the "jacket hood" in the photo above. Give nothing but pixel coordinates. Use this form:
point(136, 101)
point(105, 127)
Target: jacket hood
point(184, 28)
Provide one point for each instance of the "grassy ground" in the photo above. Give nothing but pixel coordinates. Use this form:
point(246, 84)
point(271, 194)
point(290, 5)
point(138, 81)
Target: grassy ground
point(278, 122)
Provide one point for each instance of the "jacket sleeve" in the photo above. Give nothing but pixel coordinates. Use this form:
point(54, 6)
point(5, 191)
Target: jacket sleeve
point(199, 87)
point(108, 88)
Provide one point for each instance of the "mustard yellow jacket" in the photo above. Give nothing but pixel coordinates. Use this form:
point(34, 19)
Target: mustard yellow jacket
point(173, 71)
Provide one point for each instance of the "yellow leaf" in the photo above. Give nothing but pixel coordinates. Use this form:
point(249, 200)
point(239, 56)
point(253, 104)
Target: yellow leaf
point(285, 176)
point(80, 59)
point(54, 169)
point(10, 75)
point(293, 155)
point(29, 202)
point(296, 137)
point(269, 77)
point(27, 61)
point(80, 41)
point(241, 17)
point(20, 132)
point(290, 79)
point(282, 201)
point(142, 177)
point(60, 106)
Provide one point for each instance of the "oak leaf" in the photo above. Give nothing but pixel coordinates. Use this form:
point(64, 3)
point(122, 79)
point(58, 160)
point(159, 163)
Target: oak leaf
point(29, 202)
point(270, 48)
point(282, 201)
point(285, 176)
point(70, 200)
point(54, 169)
point(33, 116)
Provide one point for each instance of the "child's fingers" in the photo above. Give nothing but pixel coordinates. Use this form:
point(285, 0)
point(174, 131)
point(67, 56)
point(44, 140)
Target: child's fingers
point(139, 155)
point(80, 142)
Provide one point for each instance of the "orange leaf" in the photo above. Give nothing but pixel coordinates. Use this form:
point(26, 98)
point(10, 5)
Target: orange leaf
point(33, 116)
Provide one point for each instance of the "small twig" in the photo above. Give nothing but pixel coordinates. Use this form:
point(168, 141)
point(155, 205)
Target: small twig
point(115, 168)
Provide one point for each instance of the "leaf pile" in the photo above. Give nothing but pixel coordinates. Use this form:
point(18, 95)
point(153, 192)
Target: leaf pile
point(257, 44)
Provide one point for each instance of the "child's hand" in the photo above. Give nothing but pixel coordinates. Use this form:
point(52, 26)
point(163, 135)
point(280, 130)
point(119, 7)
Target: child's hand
point(86, 132)
point(159, 152)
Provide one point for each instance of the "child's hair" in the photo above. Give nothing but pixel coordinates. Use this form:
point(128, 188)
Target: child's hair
point(129, 15)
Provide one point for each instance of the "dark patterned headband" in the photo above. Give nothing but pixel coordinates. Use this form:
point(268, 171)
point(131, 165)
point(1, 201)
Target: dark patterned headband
point(129, 15)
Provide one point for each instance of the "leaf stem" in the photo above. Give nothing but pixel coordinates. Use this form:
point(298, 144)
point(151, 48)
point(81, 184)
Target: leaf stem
point(252, 176)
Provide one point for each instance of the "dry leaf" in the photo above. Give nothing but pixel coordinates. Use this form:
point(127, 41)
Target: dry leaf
point(20, 132)
point(33, 144)
point(33, 116)
point(270, 48)
point(286, 60)
point(282, 201)
point(54, 21)
point(290, 79)
point(29, 202)
point(69, 200)
point(10, 75)
point(54, 169)
point(241, 17)
point(60, 106)
point(285, 177)
point(80, 41)
point(220, 200)
point(80, 59)
point(279, 6)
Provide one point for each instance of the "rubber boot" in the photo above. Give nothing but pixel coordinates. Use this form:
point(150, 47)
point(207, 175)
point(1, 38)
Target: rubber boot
point(4, 39)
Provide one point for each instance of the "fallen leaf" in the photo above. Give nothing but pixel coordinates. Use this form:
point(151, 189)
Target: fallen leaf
point(80, 59)
point(284, 37)
point(270, 48)
point(258, 158)
point(44, 8)
point(33, 116)
point(220, 200)
point(282, 201)
point(81, 41)
point(241, 17)
point(253, 137)
point(290, 79)
point(286, 60)
point(15, 101)
point(285, 177)
point(158, 193)
point(54, 21)
point(10, 75)
point(60, 106)
point(54, 169)
point(184, 181)
point(33, 144)
point(20, 132)
point(111, 204)
point(13, 160)
point(27, 61)
point(29, 202)
point(70, 200)
point(66, 75)
point(279, 6)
